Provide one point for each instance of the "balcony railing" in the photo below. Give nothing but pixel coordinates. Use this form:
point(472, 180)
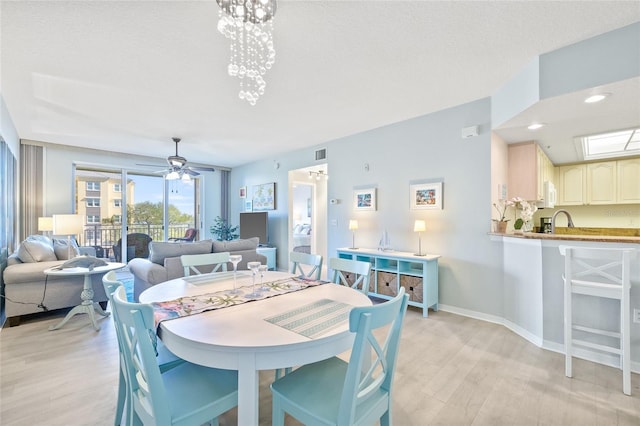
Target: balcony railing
point(105, 236)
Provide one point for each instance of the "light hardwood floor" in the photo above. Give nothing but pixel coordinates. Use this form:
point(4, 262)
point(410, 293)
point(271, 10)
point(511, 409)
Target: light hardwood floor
point(452, 371)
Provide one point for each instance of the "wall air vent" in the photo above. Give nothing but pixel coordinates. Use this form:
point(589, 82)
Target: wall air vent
point(321, 154)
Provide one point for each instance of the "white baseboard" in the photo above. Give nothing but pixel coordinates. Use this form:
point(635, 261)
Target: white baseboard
point(605, 359)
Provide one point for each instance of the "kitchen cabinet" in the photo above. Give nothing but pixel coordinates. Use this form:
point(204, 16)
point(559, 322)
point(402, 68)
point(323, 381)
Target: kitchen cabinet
point(628, 181)
point(572, 185)
point(601, 182)
point(529, 168)
point(391, 270)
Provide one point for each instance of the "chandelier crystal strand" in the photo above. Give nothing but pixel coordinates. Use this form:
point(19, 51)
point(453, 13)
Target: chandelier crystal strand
point(248, 24)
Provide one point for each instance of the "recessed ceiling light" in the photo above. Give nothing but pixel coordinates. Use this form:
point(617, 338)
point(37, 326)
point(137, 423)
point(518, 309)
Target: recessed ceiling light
point(535, 126)
point(595, 98)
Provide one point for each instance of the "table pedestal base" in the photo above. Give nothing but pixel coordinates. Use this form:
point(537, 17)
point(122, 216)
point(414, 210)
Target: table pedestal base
point(88, 306)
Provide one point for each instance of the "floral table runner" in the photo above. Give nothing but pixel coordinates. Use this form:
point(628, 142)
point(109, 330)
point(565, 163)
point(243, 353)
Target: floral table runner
point(191, 305)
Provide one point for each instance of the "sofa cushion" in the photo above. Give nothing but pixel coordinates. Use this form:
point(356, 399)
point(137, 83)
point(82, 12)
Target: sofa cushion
point(61, 249)
point(236, 245)
point(159, 250)
point(36, 248)
point(29, 272)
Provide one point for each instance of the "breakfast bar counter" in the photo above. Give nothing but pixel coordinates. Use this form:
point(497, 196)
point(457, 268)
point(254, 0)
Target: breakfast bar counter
point(533, 288)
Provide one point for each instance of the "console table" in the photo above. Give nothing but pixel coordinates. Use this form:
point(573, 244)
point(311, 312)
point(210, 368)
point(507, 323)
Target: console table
point(392, 269)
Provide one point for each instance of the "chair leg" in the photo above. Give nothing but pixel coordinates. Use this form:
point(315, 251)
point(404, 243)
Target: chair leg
point(385, 420)
point(277, 416)
point(122, 397)
point(625, 343)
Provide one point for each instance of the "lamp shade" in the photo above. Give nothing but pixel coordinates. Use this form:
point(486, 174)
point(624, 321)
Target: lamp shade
point(67, 224)
point(353, 225)
point(45, 224)
point(419, 226)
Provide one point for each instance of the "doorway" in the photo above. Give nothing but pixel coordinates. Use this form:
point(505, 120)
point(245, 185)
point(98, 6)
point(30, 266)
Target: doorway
point(308, 210)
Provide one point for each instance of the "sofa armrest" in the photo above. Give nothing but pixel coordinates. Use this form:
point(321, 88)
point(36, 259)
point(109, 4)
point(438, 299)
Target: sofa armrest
point(147, 271)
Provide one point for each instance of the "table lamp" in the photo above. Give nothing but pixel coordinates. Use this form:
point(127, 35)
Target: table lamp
point(68, 224)
point(419, 226)
point(353, 226)
point(45, 224)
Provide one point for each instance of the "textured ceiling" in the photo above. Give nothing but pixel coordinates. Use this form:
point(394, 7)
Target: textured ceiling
point(127, 76)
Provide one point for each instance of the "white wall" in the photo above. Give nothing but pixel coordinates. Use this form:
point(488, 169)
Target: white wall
point(8, 130)
point(427, 147)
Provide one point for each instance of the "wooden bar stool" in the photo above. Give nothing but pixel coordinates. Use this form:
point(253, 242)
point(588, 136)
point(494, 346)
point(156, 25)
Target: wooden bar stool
point(605, 273)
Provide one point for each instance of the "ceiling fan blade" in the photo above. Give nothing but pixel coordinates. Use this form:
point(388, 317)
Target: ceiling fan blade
point(190, 171)
point(158, 166)
point(202, 169)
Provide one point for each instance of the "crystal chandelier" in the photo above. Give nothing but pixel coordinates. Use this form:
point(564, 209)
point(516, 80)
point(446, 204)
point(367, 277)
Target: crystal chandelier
point(249, 24)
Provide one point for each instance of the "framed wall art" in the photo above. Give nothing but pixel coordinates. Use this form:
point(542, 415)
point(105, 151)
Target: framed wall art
point(243, 192)
point(425, 196)
point(248, 206)
point(364, 199)
point(264, 197)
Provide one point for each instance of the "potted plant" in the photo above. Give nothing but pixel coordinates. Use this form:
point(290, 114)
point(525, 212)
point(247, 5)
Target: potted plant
point(501, 223)
point(223, 231)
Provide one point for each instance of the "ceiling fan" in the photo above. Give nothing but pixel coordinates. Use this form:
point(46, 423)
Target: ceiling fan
point(178, 168)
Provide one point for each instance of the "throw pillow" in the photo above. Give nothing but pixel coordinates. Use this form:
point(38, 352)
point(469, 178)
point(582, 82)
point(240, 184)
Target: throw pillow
point(61, 249)
point(36, 250)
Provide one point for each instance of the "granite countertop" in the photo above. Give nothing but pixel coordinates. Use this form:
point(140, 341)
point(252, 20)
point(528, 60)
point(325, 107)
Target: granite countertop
point(574, 237)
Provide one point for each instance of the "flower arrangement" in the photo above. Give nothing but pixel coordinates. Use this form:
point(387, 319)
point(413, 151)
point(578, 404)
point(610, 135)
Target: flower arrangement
point(526, 213)
point(501, 206)
point(518, 204)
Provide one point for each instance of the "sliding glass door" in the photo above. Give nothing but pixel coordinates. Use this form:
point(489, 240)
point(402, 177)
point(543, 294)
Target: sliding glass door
point(117, 203)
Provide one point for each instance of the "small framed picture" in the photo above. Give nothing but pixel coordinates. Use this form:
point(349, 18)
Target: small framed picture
point(364, 199)
point(243, 192)
point(248, 206)
point(426, 196)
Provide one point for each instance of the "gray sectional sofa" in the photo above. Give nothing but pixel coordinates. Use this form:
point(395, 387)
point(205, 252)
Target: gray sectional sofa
point(164, 263)
point(28, 290)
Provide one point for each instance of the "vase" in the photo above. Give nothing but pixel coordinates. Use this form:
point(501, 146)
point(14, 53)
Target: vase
point(501, 227)
point(527, 226)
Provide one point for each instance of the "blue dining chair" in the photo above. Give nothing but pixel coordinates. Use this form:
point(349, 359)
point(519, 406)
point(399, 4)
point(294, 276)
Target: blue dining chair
point(358, 392)
point(165, 358)
point(187, 394)
point(351, 273)
point(217, 262)
point(312, 261)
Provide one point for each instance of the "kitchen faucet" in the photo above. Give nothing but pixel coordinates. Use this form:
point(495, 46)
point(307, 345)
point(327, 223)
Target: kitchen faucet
point(553, 220)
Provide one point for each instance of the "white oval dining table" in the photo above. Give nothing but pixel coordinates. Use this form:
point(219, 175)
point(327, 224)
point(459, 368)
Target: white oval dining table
point(239, 338)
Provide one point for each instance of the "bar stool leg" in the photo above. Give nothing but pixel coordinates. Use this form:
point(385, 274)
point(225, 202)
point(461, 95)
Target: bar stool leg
point(625, 342)
point(568, 347)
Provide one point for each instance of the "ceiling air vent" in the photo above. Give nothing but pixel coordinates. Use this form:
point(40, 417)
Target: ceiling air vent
point(321, 154)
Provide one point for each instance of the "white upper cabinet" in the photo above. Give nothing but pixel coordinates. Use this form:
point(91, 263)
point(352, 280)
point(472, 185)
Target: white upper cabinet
point(601, 183)
point(628, 181)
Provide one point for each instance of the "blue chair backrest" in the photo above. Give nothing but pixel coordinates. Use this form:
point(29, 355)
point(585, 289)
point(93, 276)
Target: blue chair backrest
point(383, 350)
point(136, 324)
point(298, 259)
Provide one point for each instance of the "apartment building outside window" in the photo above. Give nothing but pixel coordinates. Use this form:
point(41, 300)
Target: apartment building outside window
point(117, 202)
point(93, 218)
point(117, 187)
point(93, 202)
point(93, 186)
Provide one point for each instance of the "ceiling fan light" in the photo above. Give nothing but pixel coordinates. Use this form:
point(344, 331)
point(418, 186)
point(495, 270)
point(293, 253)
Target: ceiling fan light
point(186, 177)
point(172, 176)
